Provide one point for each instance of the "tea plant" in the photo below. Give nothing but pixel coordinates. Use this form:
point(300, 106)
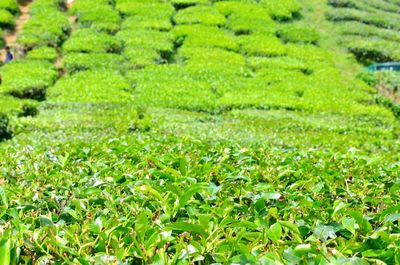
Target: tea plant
point(74, 62)
point(27, 78)
point(48, 27)
point(90, 40)
point(6, 19)
point(43, 53)
point(10, 5)
point(99, 16)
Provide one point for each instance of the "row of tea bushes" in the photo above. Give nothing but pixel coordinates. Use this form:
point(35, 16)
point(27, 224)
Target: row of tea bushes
point(370, 29)
point(93, 60)
point(47, 26)
point(97, 15)
point(29, 77)
point(366, 5)
point(8, 10)
point(25, 80)
point(222, 67)
point(145, 32)
point(91, 46)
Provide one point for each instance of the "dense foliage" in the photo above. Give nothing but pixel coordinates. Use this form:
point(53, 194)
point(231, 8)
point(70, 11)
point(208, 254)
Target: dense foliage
point(191, 132)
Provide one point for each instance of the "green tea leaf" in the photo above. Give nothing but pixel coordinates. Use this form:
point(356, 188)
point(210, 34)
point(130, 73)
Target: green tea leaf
point(5, 251)
point(275, 232)
point(349, 224)
point(187, 227)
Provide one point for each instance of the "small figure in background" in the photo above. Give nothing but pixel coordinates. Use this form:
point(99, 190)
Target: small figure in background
point(9, 55)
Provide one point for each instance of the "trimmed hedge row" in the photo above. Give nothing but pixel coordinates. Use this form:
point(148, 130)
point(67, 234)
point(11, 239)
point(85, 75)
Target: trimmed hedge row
point(369, 50)
point(366, 5)
point(391, 21)
point(297, 34)
point(90, 40)
point(98, 15)
point(10, 5)
point(370, 28)
point(47, 26)
point(359, 29)
point(27, 78)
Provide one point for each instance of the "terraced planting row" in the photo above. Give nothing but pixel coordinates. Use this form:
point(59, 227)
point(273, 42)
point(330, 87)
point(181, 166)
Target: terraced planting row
point(25, 80)
point(194, 131)
point(8, 11)
point(370, 29)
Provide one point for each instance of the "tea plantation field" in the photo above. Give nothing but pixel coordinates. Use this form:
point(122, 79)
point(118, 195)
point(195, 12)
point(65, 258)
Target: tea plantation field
point(370, 29)
point(191, 132)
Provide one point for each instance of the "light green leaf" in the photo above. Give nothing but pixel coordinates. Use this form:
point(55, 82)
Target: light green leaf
point(349, 224)
point(187, 227)
point(5, 251)
point(275, 232)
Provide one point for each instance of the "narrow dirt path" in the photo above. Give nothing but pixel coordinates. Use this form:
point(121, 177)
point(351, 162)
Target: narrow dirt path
point(11, 36)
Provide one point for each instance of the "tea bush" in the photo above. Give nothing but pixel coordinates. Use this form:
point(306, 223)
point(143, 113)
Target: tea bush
point(160, 41)
point(291, 33)
point(282, 10)
point(12, 107)
point(75, 62)
point(50, 27)
point(6, 19)
point(152, 10)
point(204, 36)
point(372, 50)
point(90, 40)
point(10, 5)
point(285, 63)
point(261, 45)
point(99, 16)
point(248, 24)
point(372, 5)
point(27, 78)
point(40, 6)
point(138, 23)
point(139, 57)
point(370, 28)
point(93, 86)
point(360, 29)
point(372, 18)
point(43, 53)
point(206, 15)
point(181, 4)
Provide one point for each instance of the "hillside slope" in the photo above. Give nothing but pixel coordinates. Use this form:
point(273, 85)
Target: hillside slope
point(193, 131)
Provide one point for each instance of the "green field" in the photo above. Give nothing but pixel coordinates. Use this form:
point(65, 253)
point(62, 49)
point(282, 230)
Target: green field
point(195, 132)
